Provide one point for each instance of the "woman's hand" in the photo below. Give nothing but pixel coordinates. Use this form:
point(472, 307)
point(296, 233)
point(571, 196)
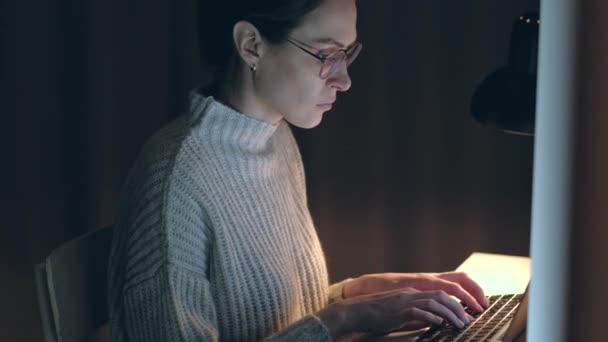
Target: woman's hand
point(457, 284)
point(384, 312)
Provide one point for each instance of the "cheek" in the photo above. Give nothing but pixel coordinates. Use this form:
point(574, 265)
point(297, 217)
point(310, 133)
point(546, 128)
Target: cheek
point(289, 88)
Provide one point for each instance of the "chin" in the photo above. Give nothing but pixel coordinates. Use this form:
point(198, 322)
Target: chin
point(306, 124)
point(305, 119)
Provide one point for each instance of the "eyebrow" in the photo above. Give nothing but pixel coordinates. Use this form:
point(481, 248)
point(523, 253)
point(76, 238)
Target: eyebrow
point(330, 41)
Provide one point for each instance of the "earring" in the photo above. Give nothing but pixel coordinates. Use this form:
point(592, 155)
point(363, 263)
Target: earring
point(253, 68)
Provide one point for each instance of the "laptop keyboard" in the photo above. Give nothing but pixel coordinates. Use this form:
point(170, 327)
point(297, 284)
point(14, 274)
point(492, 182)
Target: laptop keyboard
point(484, 326)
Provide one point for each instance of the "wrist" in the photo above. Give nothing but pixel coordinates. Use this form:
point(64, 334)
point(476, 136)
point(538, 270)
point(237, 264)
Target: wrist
point(335, 318)
point(353, 287)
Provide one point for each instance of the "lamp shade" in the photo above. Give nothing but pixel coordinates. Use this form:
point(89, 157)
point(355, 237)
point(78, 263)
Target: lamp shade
point(506, 99)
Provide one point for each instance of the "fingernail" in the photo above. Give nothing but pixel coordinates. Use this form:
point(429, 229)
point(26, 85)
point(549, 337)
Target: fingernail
point(460, 324)
point(470, 318)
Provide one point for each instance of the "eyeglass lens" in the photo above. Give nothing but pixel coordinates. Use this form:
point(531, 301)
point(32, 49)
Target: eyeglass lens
point(334, 61)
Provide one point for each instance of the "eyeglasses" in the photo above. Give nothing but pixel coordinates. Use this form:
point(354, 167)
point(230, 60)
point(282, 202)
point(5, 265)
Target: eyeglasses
point(333, 60)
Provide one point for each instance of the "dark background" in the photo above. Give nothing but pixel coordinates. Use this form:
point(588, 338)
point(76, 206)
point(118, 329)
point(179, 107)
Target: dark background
point(400, 177)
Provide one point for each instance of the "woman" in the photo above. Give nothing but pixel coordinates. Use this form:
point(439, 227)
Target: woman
point(215, 240)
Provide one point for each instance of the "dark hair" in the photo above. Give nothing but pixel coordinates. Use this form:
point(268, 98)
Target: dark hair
point(274, 19)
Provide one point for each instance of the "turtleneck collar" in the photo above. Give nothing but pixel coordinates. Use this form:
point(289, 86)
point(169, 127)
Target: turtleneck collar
point(225, 125)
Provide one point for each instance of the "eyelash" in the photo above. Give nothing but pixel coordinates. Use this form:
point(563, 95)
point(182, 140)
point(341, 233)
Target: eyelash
point(325, 53)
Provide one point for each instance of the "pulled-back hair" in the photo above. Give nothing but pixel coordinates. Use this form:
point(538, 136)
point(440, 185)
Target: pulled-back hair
point(274, 19)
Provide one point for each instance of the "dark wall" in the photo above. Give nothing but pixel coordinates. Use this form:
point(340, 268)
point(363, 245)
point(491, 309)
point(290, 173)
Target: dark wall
point(400, 177)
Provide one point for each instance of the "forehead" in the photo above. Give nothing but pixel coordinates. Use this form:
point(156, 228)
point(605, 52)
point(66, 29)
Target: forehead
point(336, 19)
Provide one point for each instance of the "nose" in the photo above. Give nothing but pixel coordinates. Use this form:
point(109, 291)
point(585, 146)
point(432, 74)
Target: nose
point(340, 80)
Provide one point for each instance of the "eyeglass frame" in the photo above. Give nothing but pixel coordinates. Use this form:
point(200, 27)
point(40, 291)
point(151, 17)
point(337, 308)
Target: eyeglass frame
point(323, 59)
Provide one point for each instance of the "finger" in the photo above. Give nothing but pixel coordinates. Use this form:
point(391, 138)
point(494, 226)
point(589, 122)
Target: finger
point(414, 325)
point(452, 304)
point(410, 326)
point(468, 284)
point(458, 291)
point(417, 314)
point(439, 308)
point(445, 299)
point(436, 281)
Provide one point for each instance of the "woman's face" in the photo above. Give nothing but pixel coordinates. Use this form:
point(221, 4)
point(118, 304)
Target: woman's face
point(288, 79)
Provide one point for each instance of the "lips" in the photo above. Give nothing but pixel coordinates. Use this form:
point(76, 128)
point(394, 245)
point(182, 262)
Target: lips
point(328, 103)
point(325, 107)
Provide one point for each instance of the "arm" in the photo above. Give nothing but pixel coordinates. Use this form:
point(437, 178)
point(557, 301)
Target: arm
point(308, 329)
point(174, 305)
point(175, 301)
point(177, 305)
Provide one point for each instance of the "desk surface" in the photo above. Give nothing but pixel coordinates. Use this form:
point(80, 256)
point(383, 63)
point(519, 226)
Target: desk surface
point(498, 273)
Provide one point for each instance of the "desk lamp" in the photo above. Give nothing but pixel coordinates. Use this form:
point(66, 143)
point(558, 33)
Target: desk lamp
point(506, 98)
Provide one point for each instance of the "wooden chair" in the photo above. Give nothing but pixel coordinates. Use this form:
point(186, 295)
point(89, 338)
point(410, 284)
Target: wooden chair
point(72, 285)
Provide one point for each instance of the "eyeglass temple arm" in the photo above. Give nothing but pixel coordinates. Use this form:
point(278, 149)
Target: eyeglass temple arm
point(305, 50)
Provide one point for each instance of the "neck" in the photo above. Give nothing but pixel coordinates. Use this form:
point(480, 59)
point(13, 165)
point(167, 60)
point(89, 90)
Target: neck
point(242, 98)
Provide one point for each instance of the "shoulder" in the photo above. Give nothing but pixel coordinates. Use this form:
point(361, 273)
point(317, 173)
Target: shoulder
point(150, 175)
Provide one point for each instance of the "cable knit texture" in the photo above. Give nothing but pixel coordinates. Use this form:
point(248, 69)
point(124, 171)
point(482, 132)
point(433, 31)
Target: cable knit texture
point(214, 239)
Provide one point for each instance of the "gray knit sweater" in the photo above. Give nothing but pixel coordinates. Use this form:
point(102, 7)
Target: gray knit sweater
point(214, 240)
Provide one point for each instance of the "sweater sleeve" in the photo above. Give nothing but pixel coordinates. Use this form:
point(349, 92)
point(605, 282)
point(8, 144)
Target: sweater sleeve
point(164, 308)
point(175, 302)
point(336, 291)
point(308, 329)
point(174, 305)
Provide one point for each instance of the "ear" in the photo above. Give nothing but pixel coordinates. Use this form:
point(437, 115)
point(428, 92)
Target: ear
point(248, 42)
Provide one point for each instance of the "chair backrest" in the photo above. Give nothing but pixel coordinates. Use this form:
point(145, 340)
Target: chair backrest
point(71, 285)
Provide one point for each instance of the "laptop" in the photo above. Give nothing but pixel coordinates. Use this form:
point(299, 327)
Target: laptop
point(497, 274)
point(504, 320)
